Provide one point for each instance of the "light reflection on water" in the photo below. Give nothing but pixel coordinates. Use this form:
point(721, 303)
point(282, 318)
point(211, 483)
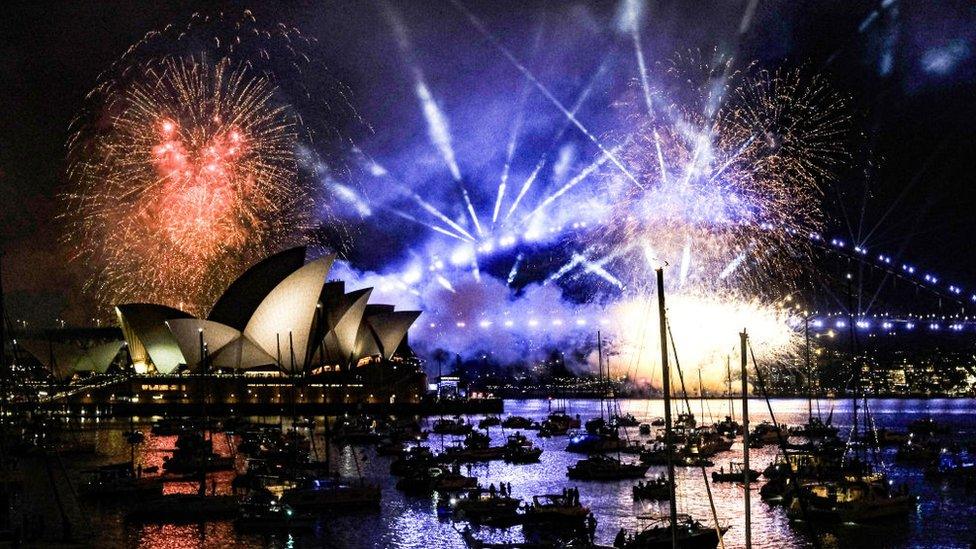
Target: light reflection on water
point(943, 518)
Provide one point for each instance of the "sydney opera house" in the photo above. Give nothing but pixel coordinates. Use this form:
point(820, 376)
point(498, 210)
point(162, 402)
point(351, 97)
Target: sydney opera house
point(281, 333)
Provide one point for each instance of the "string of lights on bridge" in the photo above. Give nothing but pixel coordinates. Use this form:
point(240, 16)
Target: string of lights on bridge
point(905, 270)
point(826, 322)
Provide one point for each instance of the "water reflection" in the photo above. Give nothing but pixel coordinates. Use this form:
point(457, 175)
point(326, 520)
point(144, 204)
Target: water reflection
point(943, 518)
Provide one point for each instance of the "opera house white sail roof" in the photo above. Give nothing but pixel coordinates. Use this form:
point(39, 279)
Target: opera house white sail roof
point(280, 312)
point(65, 359)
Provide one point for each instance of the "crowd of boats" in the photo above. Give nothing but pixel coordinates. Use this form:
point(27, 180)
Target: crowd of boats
point(283, 482)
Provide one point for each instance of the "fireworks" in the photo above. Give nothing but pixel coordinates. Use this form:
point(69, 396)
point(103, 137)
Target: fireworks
point(191, 179)
point(193, 158)
point(731, 168)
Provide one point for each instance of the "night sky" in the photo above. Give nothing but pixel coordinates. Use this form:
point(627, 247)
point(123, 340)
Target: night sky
point(910, 68)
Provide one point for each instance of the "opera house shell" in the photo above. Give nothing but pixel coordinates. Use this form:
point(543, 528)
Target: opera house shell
point(282, 313)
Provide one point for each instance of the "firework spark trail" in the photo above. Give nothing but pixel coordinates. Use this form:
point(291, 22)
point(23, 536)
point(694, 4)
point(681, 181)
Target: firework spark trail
point(510, 152)
point(427, 206)
point(582, 175)
point(732, 266)
point(438, 127)
point(513, 139)
point(440, 135)
point(515, 268)
point(580, 100)
point(378, 170)
point(543, 89)
point(600, 271)
point(631, 23)
point(576, 260)
point(430, 226)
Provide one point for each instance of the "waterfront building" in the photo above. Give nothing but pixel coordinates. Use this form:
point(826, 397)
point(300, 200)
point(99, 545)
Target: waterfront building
point(280, 321)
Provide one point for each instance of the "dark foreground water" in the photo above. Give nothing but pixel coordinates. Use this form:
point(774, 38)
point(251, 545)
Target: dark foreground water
point(945, 517)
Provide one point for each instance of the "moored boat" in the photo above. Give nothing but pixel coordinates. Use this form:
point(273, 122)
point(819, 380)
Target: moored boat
point(603, 467)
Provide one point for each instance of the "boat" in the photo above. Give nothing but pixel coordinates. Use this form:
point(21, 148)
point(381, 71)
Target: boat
point(644, 429)
point(728, 427)
point(559, 419)
point(472, 542)
point(685, 421)
point(603, 467)
point(814, 428)
point(927, 427)
point(477, 439)
point(134, 437)
point(656, 454)
point(518, 449)
point(554, 510)
point(888, 437)
point(321, 494)
point(919, 452)
point(853, 499)
point(766, 432)
point(485, 506)
point(117, 481)
point(624, 420)
point(549, 429)
point(805, 464)
point(489, 421)
point(734, 474)
point(436, 479)
point(589, 443)
point(260, 510)
point(169, 427)
point(195, 453)
point(953, 463)
point(657, 489)
point(456, 426)
point(596, 425)
point(517, 422)
point(460, 453)
point(660, 533)
point(413, 459)
point(706, 442)
point(359, 429)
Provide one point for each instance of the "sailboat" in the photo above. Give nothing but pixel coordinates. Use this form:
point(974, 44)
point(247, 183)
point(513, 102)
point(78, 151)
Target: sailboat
point(861, 493)
point(601, 435)
point(815, 427)
point(674, 530)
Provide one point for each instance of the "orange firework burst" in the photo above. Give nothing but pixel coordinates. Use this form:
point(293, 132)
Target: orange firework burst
point(190, 176)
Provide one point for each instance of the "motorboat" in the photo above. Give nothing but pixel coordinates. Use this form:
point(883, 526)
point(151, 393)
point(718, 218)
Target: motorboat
point(657, 489)
point(736, 473)
point(604, 467)
point(658, 533)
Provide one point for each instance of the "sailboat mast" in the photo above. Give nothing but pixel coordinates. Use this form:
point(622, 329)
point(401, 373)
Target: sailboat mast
point(701, 395)
point(666, 382)
point(806, 338)
point(599, 360)
point(202, 486)
point(853, 346)
point(743, 341)
point(728, 374)
point(4, 371)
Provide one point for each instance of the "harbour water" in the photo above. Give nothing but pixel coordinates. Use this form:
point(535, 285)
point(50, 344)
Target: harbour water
point(943, 517)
